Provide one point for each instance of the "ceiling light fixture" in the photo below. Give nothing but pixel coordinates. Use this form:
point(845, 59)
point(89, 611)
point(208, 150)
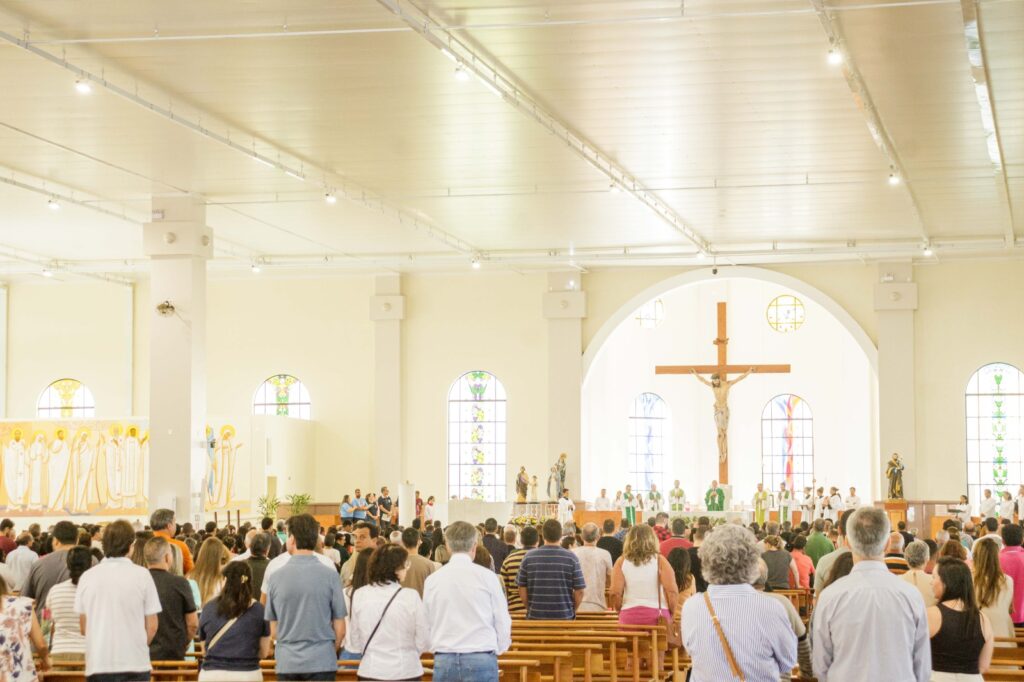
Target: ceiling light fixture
point(53, 204)
point(259, 159)
point(83, 87)
point(614, 188)
point(461, 74)
point(330, 197)
point(835, 57)
point(451, 55)
point(46, 272)
point(894, 179)
point(475, 263)
point(255, 268)
point(928, 251)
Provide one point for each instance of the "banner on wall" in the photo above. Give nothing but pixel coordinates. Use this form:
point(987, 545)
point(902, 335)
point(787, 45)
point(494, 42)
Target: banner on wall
point(228, 468)
point(88, 466)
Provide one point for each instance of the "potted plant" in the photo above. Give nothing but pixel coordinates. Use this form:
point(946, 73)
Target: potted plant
point(298, 502)
point(267, 505)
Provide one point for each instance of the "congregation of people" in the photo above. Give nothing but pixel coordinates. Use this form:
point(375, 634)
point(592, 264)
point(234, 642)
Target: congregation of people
point(887, 604)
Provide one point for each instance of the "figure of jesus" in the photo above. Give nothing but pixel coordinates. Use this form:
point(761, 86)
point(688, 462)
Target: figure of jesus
point(522, 485)
point(721, 388)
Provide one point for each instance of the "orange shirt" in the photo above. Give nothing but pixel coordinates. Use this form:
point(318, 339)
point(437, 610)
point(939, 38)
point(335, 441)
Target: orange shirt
point(186, 553)
point(805, 567)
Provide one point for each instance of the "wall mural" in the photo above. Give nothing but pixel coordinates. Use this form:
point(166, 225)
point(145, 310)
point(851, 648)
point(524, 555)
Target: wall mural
point(57, 468)
point(101, 467)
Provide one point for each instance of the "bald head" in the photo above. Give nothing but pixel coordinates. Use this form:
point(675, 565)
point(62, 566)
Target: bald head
point(895, 544)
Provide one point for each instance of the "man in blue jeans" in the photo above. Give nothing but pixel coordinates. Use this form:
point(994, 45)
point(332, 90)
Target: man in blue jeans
point(467, 613)
point(305, 608)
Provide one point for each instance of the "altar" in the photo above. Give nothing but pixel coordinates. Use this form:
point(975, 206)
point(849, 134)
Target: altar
point(743, 516)
point(476, 511)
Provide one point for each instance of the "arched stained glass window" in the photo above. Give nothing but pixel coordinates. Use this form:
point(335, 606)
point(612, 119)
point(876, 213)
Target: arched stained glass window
point(648, 434)
point(786, 313)
point(651, 314)
point(787, 443)
point(282, 395)
point(477, 438)
point(66, 399)
point(993, 408)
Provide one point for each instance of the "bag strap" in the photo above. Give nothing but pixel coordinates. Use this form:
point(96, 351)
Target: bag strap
point(733, 665)
point(220, 633)
point(379, 620)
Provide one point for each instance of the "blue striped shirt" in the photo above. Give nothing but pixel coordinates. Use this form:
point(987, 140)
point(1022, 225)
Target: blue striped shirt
point(756, 627)
point(550, 574)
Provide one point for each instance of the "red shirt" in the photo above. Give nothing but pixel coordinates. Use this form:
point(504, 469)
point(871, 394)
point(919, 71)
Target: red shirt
point(1012, 561)
point(663, 533)
point(672, 543)
point(7, 545)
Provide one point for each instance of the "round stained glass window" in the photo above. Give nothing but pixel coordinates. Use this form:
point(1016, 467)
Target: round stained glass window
point(786, 313)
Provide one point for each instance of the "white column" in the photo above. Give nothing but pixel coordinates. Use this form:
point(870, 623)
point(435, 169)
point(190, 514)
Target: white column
point(387, 308)
point(895, 303)
point(565, 306)
point(178, 243)
point(3, 350)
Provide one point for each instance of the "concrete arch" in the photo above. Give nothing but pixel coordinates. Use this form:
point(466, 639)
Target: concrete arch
point(812, 293)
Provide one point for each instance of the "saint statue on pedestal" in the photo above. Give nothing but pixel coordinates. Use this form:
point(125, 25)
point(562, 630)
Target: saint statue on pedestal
point(554, 489)
point(522, 484)
point(533, 489)
point(894, 472)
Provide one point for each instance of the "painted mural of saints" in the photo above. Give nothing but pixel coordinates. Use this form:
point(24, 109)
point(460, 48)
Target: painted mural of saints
point(222, 473)
point(16, 469)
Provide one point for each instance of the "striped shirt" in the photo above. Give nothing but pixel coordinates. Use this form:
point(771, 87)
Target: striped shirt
point(756, 627)
point(896, 564)
point(550, 574)
point(509, 573)
point(67, 636)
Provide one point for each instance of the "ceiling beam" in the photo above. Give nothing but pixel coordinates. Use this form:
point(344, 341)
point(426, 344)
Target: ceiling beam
point(499, 80)
point(977, 59)
point(862, 98)
point(162, 103)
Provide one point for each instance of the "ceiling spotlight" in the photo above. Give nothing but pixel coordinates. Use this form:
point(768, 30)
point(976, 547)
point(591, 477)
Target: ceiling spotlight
point(330, 198)
point(83, 87)
point(46, 272)
point(928, 251)
point(461, 73)
point(894, 179)
point(255, 268)
point(614, 188)
point(835, 57)
point(53, 204)
point(475, 263)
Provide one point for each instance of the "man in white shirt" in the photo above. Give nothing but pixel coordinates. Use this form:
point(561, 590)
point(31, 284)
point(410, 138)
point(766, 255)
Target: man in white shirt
point(852, 502)
point(19, 562)
point(987, 508)
point(596, 564)
point(602, 503)
point(871, 625)
point(248, 546)
point(117, 603)
point(467, 613)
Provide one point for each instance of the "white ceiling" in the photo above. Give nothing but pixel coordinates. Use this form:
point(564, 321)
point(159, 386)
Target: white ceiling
point(727, 112)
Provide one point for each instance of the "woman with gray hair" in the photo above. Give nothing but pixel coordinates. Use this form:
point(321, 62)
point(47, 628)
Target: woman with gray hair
point(734, 631)
point(917, 554)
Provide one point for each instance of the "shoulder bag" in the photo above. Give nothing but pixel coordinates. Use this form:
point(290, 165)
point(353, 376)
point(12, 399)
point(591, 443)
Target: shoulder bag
point(737, 672)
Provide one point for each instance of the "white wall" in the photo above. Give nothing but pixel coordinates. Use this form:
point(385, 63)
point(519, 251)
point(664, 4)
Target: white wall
point(318, 328)
point(830, 372)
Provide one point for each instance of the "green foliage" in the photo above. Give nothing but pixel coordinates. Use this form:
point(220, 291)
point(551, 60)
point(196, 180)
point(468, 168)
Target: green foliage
point(299, 502)
point(267, 505)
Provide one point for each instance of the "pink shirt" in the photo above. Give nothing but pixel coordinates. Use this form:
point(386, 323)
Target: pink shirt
point(1012, 561)
point(804, 566)
point(673, 543)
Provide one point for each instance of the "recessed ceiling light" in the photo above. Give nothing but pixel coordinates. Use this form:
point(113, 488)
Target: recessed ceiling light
point(835, 57)
point(330, 198)
point(53, 204)
point(83, 87)
point(894, 179)
point(461, 73)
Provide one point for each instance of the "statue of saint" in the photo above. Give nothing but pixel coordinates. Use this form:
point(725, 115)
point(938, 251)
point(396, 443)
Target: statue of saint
point(721, 391)
point(533, 489)
point(894, 472)
point(560, 465)
point(522, 485)
point(554, 487)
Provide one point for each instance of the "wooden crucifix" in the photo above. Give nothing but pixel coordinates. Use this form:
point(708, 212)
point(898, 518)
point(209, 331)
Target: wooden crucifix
point(720, 385)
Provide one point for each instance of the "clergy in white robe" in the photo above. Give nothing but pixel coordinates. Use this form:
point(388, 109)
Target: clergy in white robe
point(835, 505)
point(565, 509)
point(987, 507)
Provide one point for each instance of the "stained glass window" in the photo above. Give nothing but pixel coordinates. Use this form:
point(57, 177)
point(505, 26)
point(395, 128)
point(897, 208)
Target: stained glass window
point(994, 427)
point(648, 428)
point(787, 443)
point(786, 313)
point(66, 399)
point(477, 438)
point(282, 395)
point(651, 314)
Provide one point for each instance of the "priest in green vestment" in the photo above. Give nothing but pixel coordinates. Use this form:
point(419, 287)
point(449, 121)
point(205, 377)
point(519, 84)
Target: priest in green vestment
point(714, 498)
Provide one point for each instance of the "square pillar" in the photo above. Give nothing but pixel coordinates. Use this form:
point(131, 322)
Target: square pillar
point(895, 303)
point(387, 309)
point(178, 243)
point(565, 306)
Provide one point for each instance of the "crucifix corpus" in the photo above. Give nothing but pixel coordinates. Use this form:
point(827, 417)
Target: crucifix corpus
point(720, 385)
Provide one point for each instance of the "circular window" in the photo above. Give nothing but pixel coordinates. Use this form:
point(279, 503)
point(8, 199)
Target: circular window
point(786, 313)
point(651, 314)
